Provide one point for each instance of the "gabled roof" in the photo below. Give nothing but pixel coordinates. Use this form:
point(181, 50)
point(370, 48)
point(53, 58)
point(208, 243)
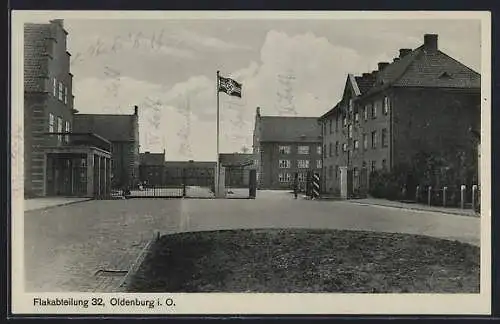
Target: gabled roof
point(115, 128)
point(151, 159)
point(235, 159)
point(422, 68)
point(289, 129)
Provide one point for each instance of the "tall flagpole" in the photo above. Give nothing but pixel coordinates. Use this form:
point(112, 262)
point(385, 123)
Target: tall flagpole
point(217, 171)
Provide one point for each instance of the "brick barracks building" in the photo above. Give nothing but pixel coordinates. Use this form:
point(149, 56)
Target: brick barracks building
point(423, 101)
point(66, 154)
point(283, 146)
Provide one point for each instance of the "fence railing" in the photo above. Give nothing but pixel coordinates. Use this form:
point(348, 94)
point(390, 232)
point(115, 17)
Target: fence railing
point(464, 197)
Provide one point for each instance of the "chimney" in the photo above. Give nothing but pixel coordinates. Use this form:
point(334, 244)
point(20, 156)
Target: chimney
point(136, 110)
point(404, 51)
point(257, 111)
point(366, 75)
point(147, 152)
point(396, 59)
point(431, 42)
point(382, 65)
point(59, 22)
point(374, 73)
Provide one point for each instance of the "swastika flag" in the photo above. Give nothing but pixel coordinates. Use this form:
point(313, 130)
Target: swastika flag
point(230, 87)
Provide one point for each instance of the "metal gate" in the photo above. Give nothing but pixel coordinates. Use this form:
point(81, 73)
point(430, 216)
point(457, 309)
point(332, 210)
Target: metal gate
point(185, 182)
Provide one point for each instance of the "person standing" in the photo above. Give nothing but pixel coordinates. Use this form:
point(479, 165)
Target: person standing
point(296, 185)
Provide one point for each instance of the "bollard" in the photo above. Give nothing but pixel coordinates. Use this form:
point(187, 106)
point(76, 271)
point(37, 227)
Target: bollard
point(474, 199)
point(444, 196)
point(417, 194)
point(462, 196)
point(429, 195)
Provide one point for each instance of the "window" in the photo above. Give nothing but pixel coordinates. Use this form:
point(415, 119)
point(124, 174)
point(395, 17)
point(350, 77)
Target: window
point(284, 177)
point(374, 110)
point(336, 171)
point(348, 157)
point(349, 131)
point(337, 148)
point(301, 177)
point(61, 91)
point(365, 141)
point(356, 144)
point(330, 150)
point(318, 164)
point(384, 137)
point(303, 164)
point(344, 121)
point(344, 147)
point(331, 126)
point(303, 149)
point(386, 105)
point(51, 123)
point(356, 117)
point(364, 164)
point(67, 129)
point(66, 95)
point(350, 105)
point(59, 128)
point(356, 172)
point(54, 87)
point(374, 139)
point(337, 122)
point(285, 149)
point(324, 149)
point(284, 164)
point(318, 149)
point(384, 164)
point(365, 112)
point(373, 166)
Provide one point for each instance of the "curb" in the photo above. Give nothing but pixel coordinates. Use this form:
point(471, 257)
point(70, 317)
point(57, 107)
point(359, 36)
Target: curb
point(419, 209)
point(137, 263)
point(60, 205)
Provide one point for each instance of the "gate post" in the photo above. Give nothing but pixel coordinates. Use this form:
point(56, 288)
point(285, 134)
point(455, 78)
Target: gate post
point(252, 184)
point(309, 180)
point(183, 182)
point(343, 182)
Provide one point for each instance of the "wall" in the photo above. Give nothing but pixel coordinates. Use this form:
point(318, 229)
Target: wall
point(45, 59)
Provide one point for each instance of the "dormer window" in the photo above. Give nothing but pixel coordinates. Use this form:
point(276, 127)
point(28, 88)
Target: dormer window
point(445, 75)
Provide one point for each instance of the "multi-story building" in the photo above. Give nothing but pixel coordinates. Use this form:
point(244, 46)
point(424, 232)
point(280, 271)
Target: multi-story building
point(123, 133)
point(284, 146)
point(422, 102)
point(152, 168)
point(57, 161)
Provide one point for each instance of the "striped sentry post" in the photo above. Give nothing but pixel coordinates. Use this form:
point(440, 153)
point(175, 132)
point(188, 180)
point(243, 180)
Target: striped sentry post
point(315, 187)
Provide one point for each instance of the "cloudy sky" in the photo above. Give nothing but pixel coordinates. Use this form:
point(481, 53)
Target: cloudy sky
point(168, 68)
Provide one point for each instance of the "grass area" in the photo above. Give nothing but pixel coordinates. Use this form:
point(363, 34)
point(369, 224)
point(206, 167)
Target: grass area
point(286, 261)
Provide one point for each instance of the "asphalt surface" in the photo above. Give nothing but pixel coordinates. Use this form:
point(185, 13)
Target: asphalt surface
point(65, 246)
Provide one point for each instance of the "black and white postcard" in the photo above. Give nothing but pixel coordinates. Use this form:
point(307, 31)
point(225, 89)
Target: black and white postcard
point(251, 162)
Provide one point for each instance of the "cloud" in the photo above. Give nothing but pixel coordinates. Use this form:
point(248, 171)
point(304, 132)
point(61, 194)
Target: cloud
point(319, 69)
point(192, 39)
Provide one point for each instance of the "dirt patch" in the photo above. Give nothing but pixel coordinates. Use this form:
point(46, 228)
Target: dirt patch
point(288, 261)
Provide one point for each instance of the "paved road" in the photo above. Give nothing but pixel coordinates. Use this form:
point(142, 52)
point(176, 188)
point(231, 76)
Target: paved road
point(65, 246)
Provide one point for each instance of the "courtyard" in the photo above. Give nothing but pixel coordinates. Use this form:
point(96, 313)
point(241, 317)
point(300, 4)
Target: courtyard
point(89, 246)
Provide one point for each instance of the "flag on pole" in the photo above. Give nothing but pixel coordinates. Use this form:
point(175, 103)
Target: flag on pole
point(230, 87)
